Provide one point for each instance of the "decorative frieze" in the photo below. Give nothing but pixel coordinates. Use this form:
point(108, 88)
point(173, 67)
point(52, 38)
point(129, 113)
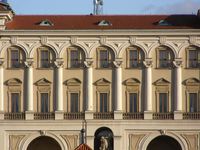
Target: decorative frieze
point(44, 40)
point(74, 40)
point(88, 62)
point(177, 63)
point(193, 40)
point(133, 40)
point(13, 40)
point(117, 63)
point(162, 40)
point(14, 141)
point(59, 63)
point(148, 63)
point(103, 40)
point(29, 63)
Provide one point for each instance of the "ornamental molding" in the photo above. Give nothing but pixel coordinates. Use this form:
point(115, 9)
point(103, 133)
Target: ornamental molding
point(177, 63)
point(74, 40)
point(118, 63)
point(133, 40)
point(60, 44)
point(193, 40)
point(29, 63)
point(44, 40)
point(88, 62)
point(1, 62)
point(90, 44)
point(148, 63)
point(59, 63)
point(103, 40)
point(14, 40)
point(162, 40)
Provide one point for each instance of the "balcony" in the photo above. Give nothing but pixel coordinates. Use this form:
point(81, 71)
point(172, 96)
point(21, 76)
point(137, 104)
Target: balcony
point(163, 116)
point(44, 116)
point(191, 116)
point(133, 116)
point(105, 115)
point(74, 116)
point(14, 116)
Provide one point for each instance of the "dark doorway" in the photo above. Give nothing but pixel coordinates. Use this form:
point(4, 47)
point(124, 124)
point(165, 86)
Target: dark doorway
point(44, 143)
point(105, 134)
point(164, 143)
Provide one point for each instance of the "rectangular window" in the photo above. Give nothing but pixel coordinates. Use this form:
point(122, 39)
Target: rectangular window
point(194, 58)
point(15, 102)
point(44, 97)
point(75, 59)
point(133, 59)
point(164, 59)
point(74, 102)
point(193, 104)
point(15, 59)
point(133, 102)
point(163, 102)
point(103, 102)
point(104, 59)
point(44, 58)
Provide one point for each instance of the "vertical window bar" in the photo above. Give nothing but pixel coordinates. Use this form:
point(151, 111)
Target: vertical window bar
point(104, 59)
point(15, 102)
point(103, 102)
point(44, 102)
point(15, 60)
point(74, 101)
point(133, 102)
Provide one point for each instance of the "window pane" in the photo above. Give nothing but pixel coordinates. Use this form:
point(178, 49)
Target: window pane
point(103, 102)
point(74, 101)
point(133, 58)
point(164, 58)
point(193, 107)
point(75, 58)
point(133, 102)
point(44, 59)
point(15, 102)
point(44, 102)
point(163, 102)
point(15, 62)
point(193, 58)
point(104, 59)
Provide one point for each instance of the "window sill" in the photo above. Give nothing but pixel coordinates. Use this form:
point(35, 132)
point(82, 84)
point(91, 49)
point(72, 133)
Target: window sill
point(167, 68)
point(190, 68)
point(50, 68)
point(15, 68)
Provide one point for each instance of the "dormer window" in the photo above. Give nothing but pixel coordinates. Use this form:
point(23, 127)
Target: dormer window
point(46, 23)
point(164, 23)
point(104, 23)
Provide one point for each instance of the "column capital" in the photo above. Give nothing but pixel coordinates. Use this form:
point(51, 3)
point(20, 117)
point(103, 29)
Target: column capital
point(1, 62)
point(118, 63)
point(28, 63)
point(59, 63)
point(177, 63)
point(88, 62)
point(148, 63)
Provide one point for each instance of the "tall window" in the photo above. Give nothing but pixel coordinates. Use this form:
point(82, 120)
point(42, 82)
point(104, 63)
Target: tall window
point(133, 59)
point(75, 59)
point(15, 102)
point(193, 103)
point(163, 102)
point(103, 102)
point(15, 58)
point(104, 59)
point(133, 102)
point(44, 102)
point(194, 59)
point(74, 102)
point(44, 59)
point(165, 60)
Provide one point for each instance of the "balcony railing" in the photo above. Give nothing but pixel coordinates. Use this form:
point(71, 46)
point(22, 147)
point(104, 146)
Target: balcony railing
point(163, 116)
point(133, 116)
point(14, 116)
point(191, 115)
point(44, 116)
point(74, 116)
point(106, 115)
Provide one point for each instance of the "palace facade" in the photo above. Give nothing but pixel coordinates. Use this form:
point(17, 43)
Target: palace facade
point(67, 79)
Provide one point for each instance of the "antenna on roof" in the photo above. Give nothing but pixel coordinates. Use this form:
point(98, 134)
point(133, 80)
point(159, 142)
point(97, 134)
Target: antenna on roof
point(98, 7)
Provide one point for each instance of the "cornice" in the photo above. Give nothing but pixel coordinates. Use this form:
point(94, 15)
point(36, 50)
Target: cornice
point(153, 32)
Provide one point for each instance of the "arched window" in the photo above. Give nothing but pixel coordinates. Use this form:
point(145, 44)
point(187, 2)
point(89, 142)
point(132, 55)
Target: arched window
point(105, 57)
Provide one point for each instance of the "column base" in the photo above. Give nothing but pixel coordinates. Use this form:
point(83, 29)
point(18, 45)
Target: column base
point(1, 115)
point(29, 115)
point(148, 115)
point(59, 115)
point(89, 115)
point(178, 115)
point(118, 115)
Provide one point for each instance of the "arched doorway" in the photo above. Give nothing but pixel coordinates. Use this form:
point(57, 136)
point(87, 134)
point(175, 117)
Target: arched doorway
point(164, 143)
point(103, 134)
point(44, 143)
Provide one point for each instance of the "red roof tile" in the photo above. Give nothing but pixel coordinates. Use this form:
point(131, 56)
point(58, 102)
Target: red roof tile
point(83, 147)
point(82, 22)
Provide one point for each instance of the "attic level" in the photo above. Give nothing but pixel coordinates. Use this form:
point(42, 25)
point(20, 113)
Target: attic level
point(6, 14)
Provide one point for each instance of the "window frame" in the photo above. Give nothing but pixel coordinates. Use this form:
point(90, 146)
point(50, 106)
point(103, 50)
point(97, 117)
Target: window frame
point(20, 57)
point(166, 103)
point(197, 50)
point(48, 105)
point(11, 102)
point(109, 61)
point(50, 57)
point(189, 100)
point(69, 100)
point(99, 102)
point(128, 106)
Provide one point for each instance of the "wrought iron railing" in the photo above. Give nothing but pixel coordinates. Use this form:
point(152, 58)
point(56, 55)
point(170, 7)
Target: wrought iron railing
point(44, 116)
point(14, 116)
point(191, 115)
point(105, 115)
point(163, 116)
point(74, 116)
point(133, 116)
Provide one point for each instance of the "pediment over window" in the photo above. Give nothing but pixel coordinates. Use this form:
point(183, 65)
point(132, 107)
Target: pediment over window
point(42, 82)
point(73, 81)
point(132, 81)
point(13, 81)
point(162, 81)
point(191, 81)
point(102, 81)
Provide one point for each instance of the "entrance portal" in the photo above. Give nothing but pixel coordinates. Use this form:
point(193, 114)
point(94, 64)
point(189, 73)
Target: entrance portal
point(164, 143)
point(44, 143)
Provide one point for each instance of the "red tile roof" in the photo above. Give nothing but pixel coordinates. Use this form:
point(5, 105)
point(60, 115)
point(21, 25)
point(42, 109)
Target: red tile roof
point(84, 22)
point(83, 147)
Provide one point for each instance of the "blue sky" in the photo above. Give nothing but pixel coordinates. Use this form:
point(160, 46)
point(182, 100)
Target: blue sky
point(110, 6)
